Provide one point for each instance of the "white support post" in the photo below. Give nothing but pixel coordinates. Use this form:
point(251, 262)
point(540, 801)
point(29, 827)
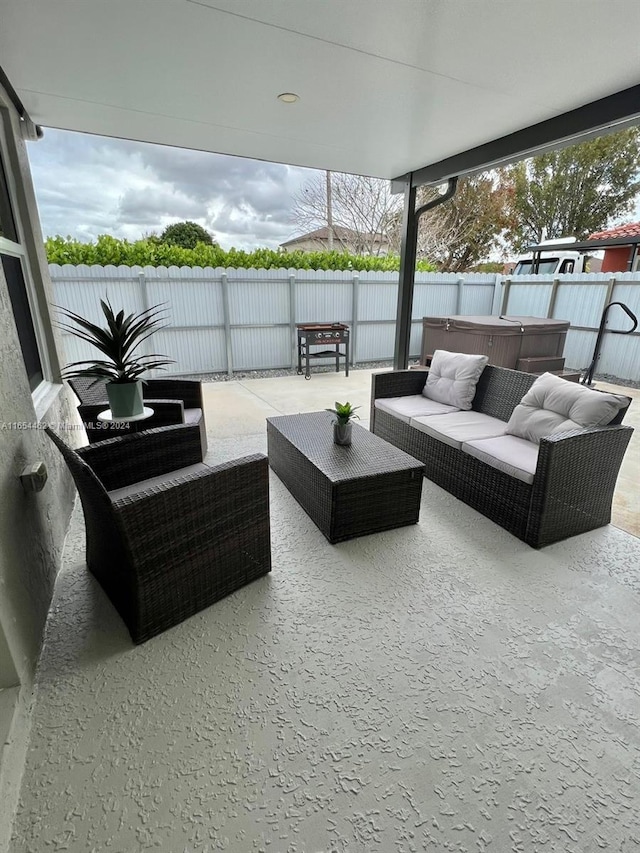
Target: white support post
point(497, 294)
point(144, 299)
point(353, 337)
point(292, 320)
point(227, 322)
point(505, 296)
point(459, 295)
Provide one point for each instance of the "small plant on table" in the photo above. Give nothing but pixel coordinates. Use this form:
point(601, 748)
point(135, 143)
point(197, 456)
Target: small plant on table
point(344, 412)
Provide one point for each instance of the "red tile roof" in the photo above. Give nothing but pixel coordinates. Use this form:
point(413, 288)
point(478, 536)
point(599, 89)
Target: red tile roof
point(631, 229)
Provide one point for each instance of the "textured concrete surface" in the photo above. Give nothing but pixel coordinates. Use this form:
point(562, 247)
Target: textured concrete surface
point(256, 399)
point(626, 500)
point(438, 687)
point(8, 702)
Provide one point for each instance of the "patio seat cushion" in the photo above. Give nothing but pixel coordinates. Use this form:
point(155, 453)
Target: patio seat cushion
point(144, 485)
point(456, 428)
point(453, 377)
point(515, 456)
point(415, 405)
point(554, 405)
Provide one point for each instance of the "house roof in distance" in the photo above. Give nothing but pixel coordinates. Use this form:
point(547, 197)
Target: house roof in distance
point(339, 233)
point(631, 229)
point(621, 235)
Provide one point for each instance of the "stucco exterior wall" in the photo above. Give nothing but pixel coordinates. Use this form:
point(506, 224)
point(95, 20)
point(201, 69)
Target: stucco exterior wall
point(616, 259)
point(32, 525)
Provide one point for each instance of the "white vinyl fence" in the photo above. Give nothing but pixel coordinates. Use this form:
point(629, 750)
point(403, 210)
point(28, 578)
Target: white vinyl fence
point(580, 299)
point(225, 320)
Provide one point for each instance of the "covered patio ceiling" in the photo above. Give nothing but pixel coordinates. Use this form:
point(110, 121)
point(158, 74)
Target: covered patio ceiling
point(386, 87)
point(416, 91)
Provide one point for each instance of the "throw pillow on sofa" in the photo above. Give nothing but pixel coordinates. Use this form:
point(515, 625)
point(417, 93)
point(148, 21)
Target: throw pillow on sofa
point(554, 405)
point(453, 377)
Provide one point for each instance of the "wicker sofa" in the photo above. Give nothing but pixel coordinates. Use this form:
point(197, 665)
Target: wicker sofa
point(572, 482)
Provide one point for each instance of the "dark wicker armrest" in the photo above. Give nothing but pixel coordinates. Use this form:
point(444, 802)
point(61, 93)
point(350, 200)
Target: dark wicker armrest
point(119, 462)
point(575, 481)
point(165, 413)
point(583, 453)
point(582, 464)
point(229, 501)
point(89, 391)
point(396, 383)
point(187, 390)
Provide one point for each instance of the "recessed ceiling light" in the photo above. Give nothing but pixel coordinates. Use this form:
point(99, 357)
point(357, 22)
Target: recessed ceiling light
point(288, 97)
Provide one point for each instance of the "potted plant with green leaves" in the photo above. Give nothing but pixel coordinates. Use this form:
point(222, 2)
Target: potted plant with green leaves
point(344, 412)
point(119, 342)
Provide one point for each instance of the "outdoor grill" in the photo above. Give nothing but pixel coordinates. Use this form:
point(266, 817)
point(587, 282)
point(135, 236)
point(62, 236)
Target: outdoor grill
point(330, 337)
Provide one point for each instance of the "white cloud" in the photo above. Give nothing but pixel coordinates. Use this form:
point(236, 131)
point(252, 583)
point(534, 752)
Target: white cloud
point(90, 185)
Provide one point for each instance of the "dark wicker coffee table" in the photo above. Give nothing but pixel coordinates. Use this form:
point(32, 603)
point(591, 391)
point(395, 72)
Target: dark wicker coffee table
point(347, 491)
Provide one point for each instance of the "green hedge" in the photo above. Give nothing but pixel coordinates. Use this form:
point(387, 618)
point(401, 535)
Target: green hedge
point(143, 253)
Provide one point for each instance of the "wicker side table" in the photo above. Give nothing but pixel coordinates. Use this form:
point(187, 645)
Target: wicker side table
point(351, 491)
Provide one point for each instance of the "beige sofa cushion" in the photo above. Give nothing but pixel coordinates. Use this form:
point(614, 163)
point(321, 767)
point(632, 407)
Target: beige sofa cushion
point(515, 456)
point(459, 427)
point(414, 405)
point(554, 405)
point(453, 377)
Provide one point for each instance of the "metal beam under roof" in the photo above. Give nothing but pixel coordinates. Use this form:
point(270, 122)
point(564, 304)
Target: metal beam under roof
point(605, 115)
point(586, 244)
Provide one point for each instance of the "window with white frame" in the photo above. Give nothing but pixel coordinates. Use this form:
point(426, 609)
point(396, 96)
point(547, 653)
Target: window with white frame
point(16, 272)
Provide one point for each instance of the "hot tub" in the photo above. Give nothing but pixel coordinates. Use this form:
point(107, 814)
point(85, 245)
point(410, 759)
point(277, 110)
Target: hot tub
point(532, 344)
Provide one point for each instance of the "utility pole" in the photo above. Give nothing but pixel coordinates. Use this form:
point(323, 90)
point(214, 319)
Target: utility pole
point(329, 212)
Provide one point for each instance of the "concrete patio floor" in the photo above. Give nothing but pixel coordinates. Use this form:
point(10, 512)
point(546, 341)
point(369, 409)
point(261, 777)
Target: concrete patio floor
point(239, 408)
point(437, 687)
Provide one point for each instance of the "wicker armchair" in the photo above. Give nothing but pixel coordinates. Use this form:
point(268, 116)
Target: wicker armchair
point(174, 401)
point(166, 534)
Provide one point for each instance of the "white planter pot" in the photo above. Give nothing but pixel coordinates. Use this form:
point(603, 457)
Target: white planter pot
point(342, 434)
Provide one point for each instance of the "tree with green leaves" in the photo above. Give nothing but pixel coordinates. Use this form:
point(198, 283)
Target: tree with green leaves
point(572, 192)
point(464, 230)
point(186, 234)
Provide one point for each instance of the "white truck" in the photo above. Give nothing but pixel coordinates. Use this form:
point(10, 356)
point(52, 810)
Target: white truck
point(554, 262)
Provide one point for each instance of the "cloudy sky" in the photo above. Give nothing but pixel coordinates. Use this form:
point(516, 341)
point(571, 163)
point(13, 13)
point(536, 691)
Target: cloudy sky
point(90, 185)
